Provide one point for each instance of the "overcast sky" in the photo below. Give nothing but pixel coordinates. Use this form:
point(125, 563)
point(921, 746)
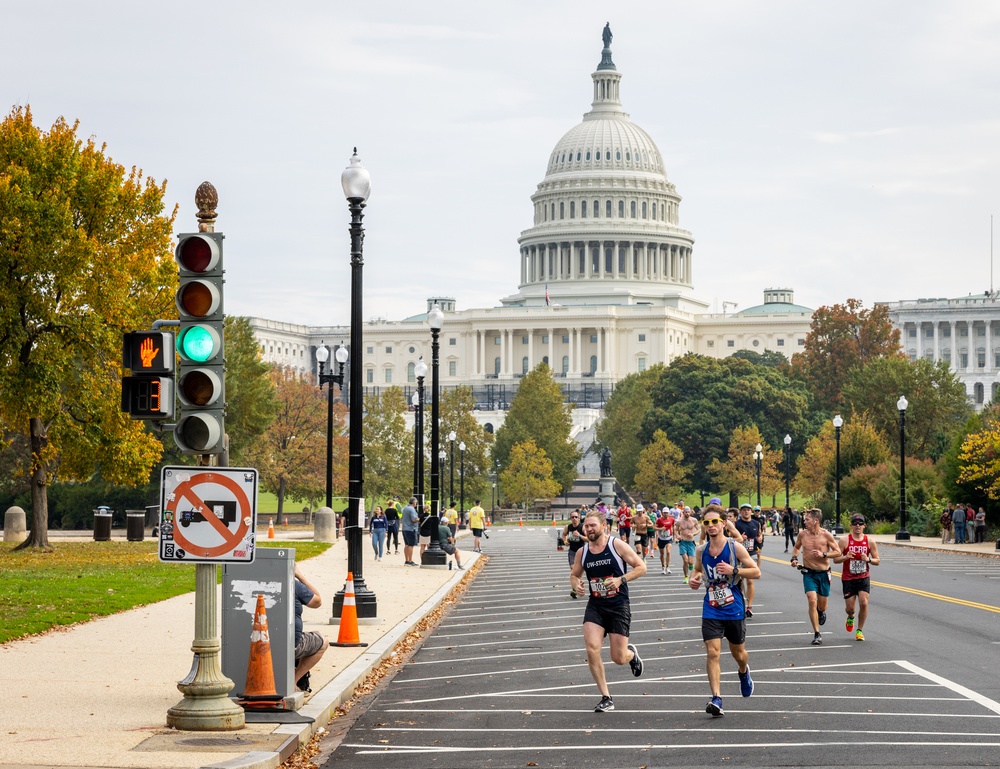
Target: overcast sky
point(847, 149)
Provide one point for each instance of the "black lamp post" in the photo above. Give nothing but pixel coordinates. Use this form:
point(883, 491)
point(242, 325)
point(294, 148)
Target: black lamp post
point(902, 534)
point(434, 555)
point(322, 356)
point(461, 494)
point(451, 491)
point(788, 455)
point(838, 422)
point(356, 182)
point(758, 459)
point(418, 456)
point(496, 465)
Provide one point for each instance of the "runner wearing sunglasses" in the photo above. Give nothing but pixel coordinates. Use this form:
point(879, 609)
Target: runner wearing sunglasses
point(858, 554)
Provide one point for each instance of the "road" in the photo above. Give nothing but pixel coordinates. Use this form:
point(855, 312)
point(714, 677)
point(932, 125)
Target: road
point(503, 680)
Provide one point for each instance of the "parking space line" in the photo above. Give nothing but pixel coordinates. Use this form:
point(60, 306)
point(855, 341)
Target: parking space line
point(986, 702)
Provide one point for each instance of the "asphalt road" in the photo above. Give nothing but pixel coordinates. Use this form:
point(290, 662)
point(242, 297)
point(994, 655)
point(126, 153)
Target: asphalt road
point(503, 680)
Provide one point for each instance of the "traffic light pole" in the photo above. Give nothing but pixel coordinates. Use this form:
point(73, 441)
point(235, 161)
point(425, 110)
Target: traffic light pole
point(206, 705)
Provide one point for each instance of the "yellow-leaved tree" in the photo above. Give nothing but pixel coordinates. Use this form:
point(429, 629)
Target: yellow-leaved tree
point(528, 476)
point(85, 254)
point(660, 474)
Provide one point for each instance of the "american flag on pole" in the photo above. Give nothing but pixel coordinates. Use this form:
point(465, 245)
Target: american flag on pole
point(547, 300)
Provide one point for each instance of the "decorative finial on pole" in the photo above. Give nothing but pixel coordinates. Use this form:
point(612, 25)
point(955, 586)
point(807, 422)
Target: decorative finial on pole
point(206, 198)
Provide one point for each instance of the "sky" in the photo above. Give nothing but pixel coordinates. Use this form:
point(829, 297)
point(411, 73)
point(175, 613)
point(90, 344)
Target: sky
point(843, 150)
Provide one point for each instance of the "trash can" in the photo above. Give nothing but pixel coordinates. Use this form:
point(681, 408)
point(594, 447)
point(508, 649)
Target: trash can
point(135, 525)
point(102, 524)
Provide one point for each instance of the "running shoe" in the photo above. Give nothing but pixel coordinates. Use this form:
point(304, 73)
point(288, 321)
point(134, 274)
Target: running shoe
point(605, 705)
point(714, 707)
point(685, 580)
point(749, 613)
point(746, 684)
point(636, 662)
point(663, 571)
point(669, 572)
point(859, 636)
point(849, 624)
point(822, 618)
point(817, 640)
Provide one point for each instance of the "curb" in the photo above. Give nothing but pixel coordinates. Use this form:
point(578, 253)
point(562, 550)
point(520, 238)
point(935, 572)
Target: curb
point(340, 689)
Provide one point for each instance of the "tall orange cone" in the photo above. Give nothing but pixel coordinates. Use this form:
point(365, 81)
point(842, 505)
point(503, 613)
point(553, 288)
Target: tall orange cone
point(259, 692)
point(554, 520)
point(349, 617)
point(270, 528)
point(521, 521)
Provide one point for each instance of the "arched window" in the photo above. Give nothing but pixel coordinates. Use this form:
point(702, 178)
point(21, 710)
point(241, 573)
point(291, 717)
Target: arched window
point(572, 209)
point(621, 209)
point(496, 366)
point(524, 365)
point(593, 364)
point(607, 154)
point(562, 210)
point(553, 212)
point(632, 209)
point(627, 155)
point(979, 392)
point(411, 375)
point(597, 209)
point(565, 365)
point(545, 359)
point(608, 260)
point(588, 154)
point(607, 209)
point(618, 154)
point(583, 209)
point(644, 209)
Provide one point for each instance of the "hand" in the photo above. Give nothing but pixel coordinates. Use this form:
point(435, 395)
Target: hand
point(695, 581)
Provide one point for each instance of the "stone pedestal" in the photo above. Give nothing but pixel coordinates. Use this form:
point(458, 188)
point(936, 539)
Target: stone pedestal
point(325, 525)
point(608, 490)
point(14, 525)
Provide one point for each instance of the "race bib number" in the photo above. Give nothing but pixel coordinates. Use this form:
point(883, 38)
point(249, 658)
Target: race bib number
point(750, 545)
point(602, 588)
point(720, 594)
point(857, 566)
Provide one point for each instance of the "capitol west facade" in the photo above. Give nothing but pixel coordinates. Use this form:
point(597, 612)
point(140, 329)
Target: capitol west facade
point(606, 284)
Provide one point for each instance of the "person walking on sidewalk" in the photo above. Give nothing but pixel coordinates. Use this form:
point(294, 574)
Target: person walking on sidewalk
point(818, 546)
point(723, 565)
point(378, 527)
point(600, 567)
point(393, 513)
point(858, 554)
point(411, 531)
point(477, 523)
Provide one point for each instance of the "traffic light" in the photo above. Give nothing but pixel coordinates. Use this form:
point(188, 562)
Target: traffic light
point(201, 382)
point(149, 392)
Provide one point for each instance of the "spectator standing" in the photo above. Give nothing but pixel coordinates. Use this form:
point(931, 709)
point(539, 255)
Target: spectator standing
point(392, 515)
point(945, 520)
point(970, 524)
point(411, 531)
point(452, 515)
point(958, 523)
point(981, 525)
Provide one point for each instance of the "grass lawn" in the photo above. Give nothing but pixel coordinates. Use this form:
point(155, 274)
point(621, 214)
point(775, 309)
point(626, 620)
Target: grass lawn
point(79, 581)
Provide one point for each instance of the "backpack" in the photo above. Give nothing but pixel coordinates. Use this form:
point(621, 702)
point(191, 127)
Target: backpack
point(738, 582)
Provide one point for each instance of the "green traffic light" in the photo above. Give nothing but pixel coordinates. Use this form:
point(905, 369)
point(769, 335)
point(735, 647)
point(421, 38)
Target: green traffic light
point(199, 344)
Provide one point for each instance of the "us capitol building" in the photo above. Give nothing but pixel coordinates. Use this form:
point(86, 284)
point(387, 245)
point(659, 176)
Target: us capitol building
point(606, 284)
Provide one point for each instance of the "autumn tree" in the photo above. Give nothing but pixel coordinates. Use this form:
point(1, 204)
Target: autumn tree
point(528, 474)
point(842, 338)
point(813, 476)
point(538, 412)
point(620, 428)
point(660, 474)
point(85, 257)
point(738, 473)
point(980, 460)
point(291, 453)
point(456, 407)
point(388, 445)
point(251, 395)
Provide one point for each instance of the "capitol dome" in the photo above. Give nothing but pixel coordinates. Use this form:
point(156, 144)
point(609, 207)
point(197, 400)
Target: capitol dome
point(606, 228)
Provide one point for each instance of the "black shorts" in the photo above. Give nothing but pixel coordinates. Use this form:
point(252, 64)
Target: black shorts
point(409, 537)
point(624, 532)
point(642, 539)
point(854, 586)
point(614, 619)
point(477, 532)
point(663, 544)
point(733, 630)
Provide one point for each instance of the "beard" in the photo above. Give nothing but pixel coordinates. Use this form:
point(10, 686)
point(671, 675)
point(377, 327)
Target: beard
point(593, 536)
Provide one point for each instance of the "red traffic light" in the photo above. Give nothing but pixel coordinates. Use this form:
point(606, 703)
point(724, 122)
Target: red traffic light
point(198, 253)
point(200, 387)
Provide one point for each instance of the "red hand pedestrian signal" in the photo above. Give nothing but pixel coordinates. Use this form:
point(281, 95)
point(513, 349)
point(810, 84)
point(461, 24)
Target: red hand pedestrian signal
point(147, 352)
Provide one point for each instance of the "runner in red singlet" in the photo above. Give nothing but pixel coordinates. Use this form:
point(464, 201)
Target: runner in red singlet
point(858, 554)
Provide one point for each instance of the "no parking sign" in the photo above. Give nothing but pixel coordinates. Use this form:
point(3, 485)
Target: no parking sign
point(208, 514)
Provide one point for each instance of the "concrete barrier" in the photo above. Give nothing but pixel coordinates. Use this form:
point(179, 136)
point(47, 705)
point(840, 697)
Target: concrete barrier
point(325, 525)
point(14, 522)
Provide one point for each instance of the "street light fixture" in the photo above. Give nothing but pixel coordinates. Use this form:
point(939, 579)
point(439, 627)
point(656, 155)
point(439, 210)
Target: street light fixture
point(758, 459)
point(838, 422)
point(434, 555)
point(356, 182)
point(420, 370)
point(461, 504)
point(451, 491)
point(902, 534)
point(322, 356)
point(788, 455)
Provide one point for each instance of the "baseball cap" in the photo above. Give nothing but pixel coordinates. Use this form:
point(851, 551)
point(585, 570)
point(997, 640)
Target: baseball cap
point(756, 508)
point(746, 505)
point(715, 501)
point(639, 508)
point(857, 518)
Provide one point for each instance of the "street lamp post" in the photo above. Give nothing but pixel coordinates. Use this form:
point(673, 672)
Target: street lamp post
point(838, 422)
point(322, 356)
point(356, 182)
point(434, 555)
point(496, 464)
point(461, 492)
point(451, 491)
point(758, 459)
point(421, 371)
point(902, 534)
point(788, 455)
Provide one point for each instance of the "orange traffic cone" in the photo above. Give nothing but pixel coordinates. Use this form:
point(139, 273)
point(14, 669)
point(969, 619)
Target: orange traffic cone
point(349, 617)
point(259, 692)
point(286, 520)
point(521, 521)
point(270, 528)
point(554, 521)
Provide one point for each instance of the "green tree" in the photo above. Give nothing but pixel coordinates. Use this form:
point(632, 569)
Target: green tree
point(291, 453)
point(251, 395)
point(814, 466)
point(528, 474)
point(699, 401)
point(619, 430)
point(769, 358)
point(539, 413)
point(456, 414)
point(937, 405)
point(388, 445)
point(842, 338)
point(660, 474)
point(952, 466)
point(85, 256)
point(738, 474)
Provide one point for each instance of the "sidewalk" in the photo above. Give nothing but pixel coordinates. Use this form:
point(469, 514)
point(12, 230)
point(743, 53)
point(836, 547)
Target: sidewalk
point(988, 548)
point(97, 694)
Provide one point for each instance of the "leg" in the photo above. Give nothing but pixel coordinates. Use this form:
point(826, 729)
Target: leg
point(813, 610)
point(739, 652)
point(713, 649)
point(620, 653)
point(849, 606)
point(748, 589)
point(593, 637)
point(667, 550)
point(862, 609)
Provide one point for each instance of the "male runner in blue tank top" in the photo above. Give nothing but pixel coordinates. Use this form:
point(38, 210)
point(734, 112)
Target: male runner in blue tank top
point(603, 560)
point(721, 563)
